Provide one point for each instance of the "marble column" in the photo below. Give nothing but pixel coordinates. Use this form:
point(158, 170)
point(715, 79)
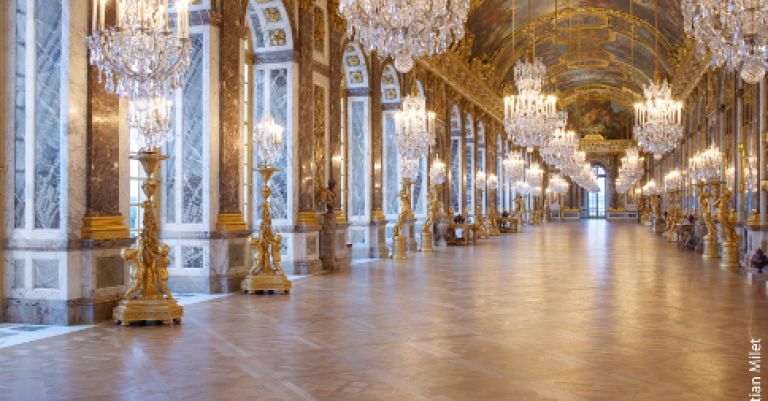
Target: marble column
point(335, 117)
point(230, 217)
point(378, 229)
point(103, 219)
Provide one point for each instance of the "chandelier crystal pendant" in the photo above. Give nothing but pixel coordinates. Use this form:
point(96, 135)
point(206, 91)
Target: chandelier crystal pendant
point(707, 165)
point(658, 119)
point(561, 145)
point(437, 172)
point(139, 56)
point(732, 32)
point(414, 132)
point(514, 166)
point(403, 29)
point(530, 116)
point(149, 120)
point(268, 140)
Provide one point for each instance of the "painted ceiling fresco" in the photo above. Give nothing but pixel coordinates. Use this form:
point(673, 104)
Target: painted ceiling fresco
point(594, 50)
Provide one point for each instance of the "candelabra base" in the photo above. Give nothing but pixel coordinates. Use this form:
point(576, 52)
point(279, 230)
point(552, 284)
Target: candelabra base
point(730, 256)
point(272, 281)
point(161, 309)
point(710, 247)
point(426, 242)
point(495, 232)
point(398, 247)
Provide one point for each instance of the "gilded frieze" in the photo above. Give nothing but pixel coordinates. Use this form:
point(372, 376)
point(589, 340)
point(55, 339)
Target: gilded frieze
point(319, 30)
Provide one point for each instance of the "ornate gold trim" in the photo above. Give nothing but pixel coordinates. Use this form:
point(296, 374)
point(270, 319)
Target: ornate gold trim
point(104, 227)
point(307, 219)
point(228, 222)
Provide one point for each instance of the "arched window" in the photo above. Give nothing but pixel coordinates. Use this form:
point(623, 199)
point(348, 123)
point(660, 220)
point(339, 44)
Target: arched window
point(358, 136)
point(40, 100)
point(390, 98)
point(268, 94)
point(469, 166)
point(455, 172)
point(596, 202)
point(481, 163)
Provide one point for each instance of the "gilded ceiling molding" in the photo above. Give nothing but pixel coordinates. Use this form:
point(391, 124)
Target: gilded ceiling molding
point(688, 68)
point(504, 64)
point(602, 146)
point(622, 96)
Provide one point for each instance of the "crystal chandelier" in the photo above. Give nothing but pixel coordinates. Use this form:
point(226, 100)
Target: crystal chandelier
point(658, 126)
point(514, 166)
point(650, 188)
point(523, 188)
point(561, 145)
point(405, 29)
point(437, 172)
point(414, 132)
point(140, 57)
point(707, 165)
point(149, 121)
point(493, 181)
point(409, 168)
point(268, 141)
point(673, 181)
point(557, 185)
point(480, 181)
point(535, 175)
point(733, 32)
point(529, 116)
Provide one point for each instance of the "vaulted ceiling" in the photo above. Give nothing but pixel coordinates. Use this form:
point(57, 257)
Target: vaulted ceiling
point(597, 52)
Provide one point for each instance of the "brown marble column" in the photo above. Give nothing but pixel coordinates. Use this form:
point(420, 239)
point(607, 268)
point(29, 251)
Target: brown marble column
point(102, 219)
point(374, 82)
point(306, 216)
point(230, 216)
point(334, 97)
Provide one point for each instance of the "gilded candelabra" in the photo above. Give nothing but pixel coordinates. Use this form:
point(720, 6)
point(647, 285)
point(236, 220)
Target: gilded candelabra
point(148, 298)
point(674, 216)
point(265, 273)
point(398, 236)
point(730, 241)
point(710, 239)
point(432, 209)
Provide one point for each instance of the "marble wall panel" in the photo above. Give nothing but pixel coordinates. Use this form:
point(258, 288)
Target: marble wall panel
point(19, 114)
point(192, 257)
point(19, 271)
point(46, 273)
point(469, 177)
point(170, 179)
point(419, 192)
point(110, 271)
point(236, 255)
point(278, 109)
point(192, 146)
point(358, 166)
point(48, 52)
point(391, 166)
point(455, 178)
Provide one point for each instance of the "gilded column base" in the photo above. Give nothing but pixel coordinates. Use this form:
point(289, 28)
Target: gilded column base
point(398, 247)
point(230, 222)
point(710, 247)
point(104, 227)
point(426, 242)
point(161, 309)
point(730, 256)
point(276, 282)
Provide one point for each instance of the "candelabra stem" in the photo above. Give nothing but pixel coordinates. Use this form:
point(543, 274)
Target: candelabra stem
point(265, 273)
point(148, 298)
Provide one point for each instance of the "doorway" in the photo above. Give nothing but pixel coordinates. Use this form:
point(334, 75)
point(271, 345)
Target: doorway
point(596, 200)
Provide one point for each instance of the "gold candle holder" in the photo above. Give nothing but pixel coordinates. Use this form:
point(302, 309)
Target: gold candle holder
point(148, 298)
point(398, 236)
point(265, 273)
